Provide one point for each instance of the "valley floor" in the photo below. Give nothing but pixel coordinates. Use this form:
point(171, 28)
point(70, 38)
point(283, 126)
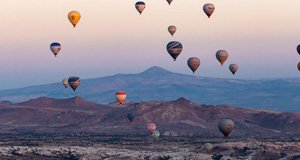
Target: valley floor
point(44, 147)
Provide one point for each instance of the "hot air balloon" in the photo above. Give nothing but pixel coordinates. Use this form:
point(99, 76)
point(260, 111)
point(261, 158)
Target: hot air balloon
point(65, 82)
point(233, 68)
point(298, 48)
point(174, 48)
point(169, 1)
point(209, 9)
point(155, 134)
point(208, 146)
point(121, 96)
point(55, 48)
point(298, 66)
point(131, 116)
point(172, 30)
point(74, 82)
point(151, 127)
point(140, 6)
point(74, 17)
point(222, 55)
point(226, 125)
point(193, 63)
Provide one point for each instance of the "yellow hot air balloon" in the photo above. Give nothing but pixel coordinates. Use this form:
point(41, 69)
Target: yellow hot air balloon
point(208, 147)
point(65, 82)
point(74, 17)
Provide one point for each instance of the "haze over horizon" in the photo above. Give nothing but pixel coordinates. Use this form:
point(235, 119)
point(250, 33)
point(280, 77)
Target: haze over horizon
point(112, 38)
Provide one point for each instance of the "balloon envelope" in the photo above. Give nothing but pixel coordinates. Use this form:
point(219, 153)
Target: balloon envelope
point(74, 17)
point(74, 82)
point(151, 127)
point(120, 96)
point(140, 6)
point(131, 116)
point(208, 9)
point(233, 68)
point(55, 48)
point(298, 66)
point(174, 48)
point(193, 63)
point(208, 146)
point(65, 82)
point(222, 55)
point(172, 30)
point(169, 1)
point(298, 48)
point(226, 125)
point(155, 134)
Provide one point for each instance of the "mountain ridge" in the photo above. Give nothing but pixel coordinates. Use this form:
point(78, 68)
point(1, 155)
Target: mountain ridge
point(159, 84)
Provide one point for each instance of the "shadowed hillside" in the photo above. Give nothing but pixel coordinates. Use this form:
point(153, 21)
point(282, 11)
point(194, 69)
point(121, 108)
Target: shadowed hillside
point(173, 118)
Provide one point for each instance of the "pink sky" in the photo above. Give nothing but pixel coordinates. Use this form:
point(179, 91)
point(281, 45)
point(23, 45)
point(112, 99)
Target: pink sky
point(111, 38)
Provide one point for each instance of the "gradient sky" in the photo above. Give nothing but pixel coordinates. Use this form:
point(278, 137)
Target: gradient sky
point(111, 38)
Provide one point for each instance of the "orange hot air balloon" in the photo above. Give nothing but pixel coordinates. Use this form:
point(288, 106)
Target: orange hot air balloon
point(151, 127)
point(298, 66)
point(120, 96)
point(222, 55)
point(74, 17)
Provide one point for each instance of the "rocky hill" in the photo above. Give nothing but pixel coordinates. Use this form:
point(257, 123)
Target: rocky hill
point(173, 118)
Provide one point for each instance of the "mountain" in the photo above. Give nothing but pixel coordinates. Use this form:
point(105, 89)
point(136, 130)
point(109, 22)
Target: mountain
point(159, 84)
point(74, 103)
point(5, 102)
point(172, 118)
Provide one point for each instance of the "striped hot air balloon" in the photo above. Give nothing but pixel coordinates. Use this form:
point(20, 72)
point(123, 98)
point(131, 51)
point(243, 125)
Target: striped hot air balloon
point(140, 6)
point(174, 48)
point(120, 96)
point(55, 48)
point(131, 116)
point(151, 127)
point(74, 82)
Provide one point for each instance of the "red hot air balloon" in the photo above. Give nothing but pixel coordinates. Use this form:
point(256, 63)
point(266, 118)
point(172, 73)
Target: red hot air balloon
point(120, 96)
point(151, 127)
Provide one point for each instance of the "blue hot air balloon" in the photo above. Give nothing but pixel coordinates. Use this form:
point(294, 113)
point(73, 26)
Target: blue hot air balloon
point(174, 48)
point(74, 82)
point(55, 48)
point(140, 6)
point(131, 116)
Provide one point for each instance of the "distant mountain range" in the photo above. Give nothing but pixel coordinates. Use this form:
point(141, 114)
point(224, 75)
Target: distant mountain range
point(172, 118)
point(159, 84)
